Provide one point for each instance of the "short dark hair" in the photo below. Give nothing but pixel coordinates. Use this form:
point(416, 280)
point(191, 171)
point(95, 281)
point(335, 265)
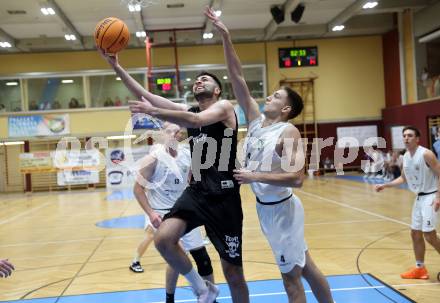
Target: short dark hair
point(295, 101)
point(205, 73)
point(413, 128)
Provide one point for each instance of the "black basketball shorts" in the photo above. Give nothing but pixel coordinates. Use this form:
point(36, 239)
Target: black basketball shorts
point(221, 215)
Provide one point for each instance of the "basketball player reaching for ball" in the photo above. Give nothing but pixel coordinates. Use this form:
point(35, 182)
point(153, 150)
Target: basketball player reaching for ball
point(162, 179)
point(271, 140)
point(213, 194)
point(421, 172)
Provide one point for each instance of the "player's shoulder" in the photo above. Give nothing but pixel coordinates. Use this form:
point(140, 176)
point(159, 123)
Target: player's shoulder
point(291, 131)
point(427, 153)
point(225, 104)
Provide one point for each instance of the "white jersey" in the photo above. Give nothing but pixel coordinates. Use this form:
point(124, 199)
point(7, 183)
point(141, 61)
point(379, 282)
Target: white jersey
point(419, 176)
point(170, 177)
point(260, 155)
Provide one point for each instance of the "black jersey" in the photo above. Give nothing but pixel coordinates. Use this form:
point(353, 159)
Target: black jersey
point(219, 176)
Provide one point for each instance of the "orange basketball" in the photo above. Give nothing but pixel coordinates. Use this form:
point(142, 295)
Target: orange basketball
point(111, 35)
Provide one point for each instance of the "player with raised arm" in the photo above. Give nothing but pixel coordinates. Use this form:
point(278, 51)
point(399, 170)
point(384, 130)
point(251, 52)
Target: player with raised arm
point(275, 163)
point(213, 194)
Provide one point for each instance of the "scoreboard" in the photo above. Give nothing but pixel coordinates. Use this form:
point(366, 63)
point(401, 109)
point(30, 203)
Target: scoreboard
point(298, 57)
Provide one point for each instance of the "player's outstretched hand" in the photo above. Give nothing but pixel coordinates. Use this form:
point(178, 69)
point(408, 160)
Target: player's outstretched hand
point(112, 59)
point(6, 268)
point(209, 12)
point(379, 187)
point(143, 106)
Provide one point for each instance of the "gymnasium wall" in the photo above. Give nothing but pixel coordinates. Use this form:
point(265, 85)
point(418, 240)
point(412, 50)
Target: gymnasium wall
point(350, 83)
point(412, 114)
point(328, 130)
point(391, 63)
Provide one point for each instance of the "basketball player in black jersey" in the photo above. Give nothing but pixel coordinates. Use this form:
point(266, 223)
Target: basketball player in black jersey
point(213, 198)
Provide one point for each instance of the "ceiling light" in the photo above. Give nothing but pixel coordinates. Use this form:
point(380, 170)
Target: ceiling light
point(118, 78)
point(188, 79)
point(47, 11)
point(338, 28)
point(225, 77)
point(370, 4)
point(11, 83)
point(5, 44)
point(218, 13)
point(134, 8)
point(208, 35)
point(141, 34)
point(121, 137)
point(69, 37)
point(67, 81)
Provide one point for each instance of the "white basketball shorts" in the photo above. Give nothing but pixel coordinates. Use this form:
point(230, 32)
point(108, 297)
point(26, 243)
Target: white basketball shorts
point(283, 226)
point(424, 217)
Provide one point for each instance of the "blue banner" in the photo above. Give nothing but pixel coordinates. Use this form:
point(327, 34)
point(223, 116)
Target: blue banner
point(38, 125)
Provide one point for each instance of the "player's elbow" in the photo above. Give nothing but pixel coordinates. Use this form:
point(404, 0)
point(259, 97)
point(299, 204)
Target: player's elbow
point(137, 189)
point(297, 180)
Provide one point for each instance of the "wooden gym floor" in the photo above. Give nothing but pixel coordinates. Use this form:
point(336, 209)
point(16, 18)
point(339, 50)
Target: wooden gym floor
point(58, 250)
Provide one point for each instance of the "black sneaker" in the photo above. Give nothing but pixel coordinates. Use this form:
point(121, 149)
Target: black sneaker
point(136, 267)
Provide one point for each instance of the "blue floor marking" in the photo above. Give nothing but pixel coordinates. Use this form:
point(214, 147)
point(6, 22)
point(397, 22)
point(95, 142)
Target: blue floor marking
point(136, 221)
point(366, 180)
point(121, 194)
point(345, 289)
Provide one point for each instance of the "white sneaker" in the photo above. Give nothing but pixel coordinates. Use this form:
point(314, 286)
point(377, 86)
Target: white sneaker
point(209, 295)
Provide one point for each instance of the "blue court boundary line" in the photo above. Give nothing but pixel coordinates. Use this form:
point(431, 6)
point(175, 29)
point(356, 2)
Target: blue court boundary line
point(390, 287)
point(375, 287)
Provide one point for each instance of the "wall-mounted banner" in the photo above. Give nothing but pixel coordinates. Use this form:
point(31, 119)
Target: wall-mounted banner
point(37, 162)
point(38, 125)
point(78, 160)
point(121, 168)
point(74, 177)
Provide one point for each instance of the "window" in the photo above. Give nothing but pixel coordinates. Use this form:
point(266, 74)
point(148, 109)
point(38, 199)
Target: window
point(55, 93)
point(10, 95)
point(109, 90)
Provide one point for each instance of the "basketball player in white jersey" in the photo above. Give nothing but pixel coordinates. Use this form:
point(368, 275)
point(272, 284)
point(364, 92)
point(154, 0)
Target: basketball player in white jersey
point(160, 182)
point(421, 172)
point(271, 141)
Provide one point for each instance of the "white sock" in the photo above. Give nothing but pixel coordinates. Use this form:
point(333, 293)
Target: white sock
point(196, 281)
point(136, 258)
point(420, 264)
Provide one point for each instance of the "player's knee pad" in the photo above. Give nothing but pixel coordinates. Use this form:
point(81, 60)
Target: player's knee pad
point(203, 261)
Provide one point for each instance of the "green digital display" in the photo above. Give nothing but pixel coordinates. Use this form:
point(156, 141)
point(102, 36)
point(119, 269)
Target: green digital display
point(297, 57)
point(164, 83)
